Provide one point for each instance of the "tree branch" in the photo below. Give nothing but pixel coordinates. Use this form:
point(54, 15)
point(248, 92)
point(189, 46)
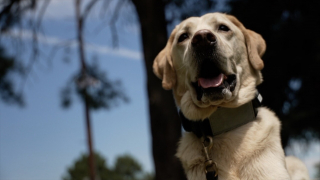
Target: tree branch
point(113, 27)
point(79, 29)
point(88, 9)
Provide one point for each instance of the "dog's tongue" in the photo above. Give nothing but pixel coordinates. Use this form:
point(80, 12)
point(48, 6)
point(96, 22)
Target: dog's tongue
point(212, 82)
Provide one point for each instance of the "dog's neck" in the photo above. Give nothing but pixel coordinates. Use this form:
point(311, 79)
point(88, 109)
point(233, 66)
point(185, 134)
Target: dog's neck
point(223, 119)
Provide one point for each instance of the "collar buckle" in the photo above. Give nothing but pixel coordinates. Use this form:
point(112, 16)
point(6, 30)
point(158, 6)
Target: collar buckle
point(210, 167)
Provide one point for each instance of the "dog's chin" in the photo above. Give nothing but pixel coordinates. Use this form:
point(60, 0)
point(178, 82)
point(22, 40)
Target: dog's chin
point(199, 103)
point(192, 111)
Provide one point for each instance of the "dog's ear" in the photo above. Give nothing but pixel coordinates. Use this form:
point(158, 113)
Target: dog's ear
point(256, 46)
point(163, 65)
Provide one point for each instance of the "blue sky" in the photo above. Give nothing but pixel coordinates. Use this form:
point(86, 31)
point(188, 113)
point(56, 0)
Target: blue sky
point(39, 141)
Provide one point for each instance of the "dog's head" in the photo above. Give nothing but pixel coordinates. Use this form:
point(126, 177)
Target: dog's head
point(211, 61)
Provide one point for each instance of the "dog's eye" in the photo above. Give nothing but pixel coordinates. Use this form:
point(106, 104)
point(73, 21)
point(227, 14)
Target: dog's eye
point(183, 37)
point(224, 28)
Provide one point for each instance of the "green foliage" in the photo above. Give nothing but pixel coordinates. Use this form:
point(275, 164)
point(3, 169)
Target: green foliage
point(11, 12)
point(80, 169)
point(93, 87)
point(125, 168)
point(8, 67)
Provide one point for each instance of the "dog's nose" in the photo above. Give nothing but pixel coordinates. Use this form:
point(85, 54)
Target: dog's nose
point(203, 37)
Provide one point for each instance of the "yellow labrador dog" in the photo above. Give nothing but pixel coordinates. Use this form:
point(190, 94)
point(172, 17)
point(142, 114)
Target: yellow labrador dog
point(212, 63)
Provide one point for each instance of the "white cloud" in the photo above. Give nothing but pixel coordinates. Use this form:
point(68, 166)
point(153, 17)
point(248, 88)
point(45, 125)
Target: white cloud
point(56, 41)
point(59, 9)
point(64, 9)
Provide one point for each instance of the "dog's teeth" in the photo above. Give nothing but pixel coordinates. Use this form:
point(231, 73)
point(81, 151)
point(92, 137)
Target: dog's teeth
point(227, 93)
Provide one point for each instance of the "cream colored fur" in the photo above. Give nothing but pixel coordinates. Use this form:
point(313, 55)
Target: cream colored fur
point(252, 151)
point(297, 169)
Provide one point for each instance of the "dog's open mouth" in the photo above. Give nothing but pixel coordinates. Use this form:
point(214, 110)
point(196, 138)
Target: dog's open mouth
point(214, 84)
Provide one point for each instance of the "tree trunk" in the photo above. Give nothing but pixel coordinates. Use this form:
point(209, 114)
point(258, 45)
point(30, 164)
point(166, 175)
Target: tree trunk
point(89, 141)
point(83, 68)
point(164, 119)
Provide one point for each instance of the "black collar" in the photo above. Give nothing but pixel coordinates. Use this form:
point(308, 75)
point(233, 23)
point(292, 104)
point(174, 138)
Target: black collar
point(223, 120)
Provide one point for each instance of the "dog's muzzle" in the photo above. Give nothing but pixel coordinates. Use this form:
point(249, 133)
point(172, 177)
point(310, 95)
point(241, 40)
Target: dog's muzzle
point(211, 82)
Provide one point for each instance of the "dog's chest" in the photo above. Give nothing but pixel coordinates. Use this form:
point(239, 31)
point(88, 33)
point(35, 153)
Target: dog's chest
point(223, 153)
point(252, 151)
point(228, 152)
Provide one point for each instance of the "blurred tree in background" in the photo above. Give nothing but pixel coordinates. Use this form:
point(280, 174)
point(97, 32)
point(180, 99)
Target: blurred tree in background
point(90, 83)
point(80, 168)
point(125, 168)
point(104, 94)
point(9, 66)
point(292, 60)
point(10, 16)
point(164, 120)
point(12, 11)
